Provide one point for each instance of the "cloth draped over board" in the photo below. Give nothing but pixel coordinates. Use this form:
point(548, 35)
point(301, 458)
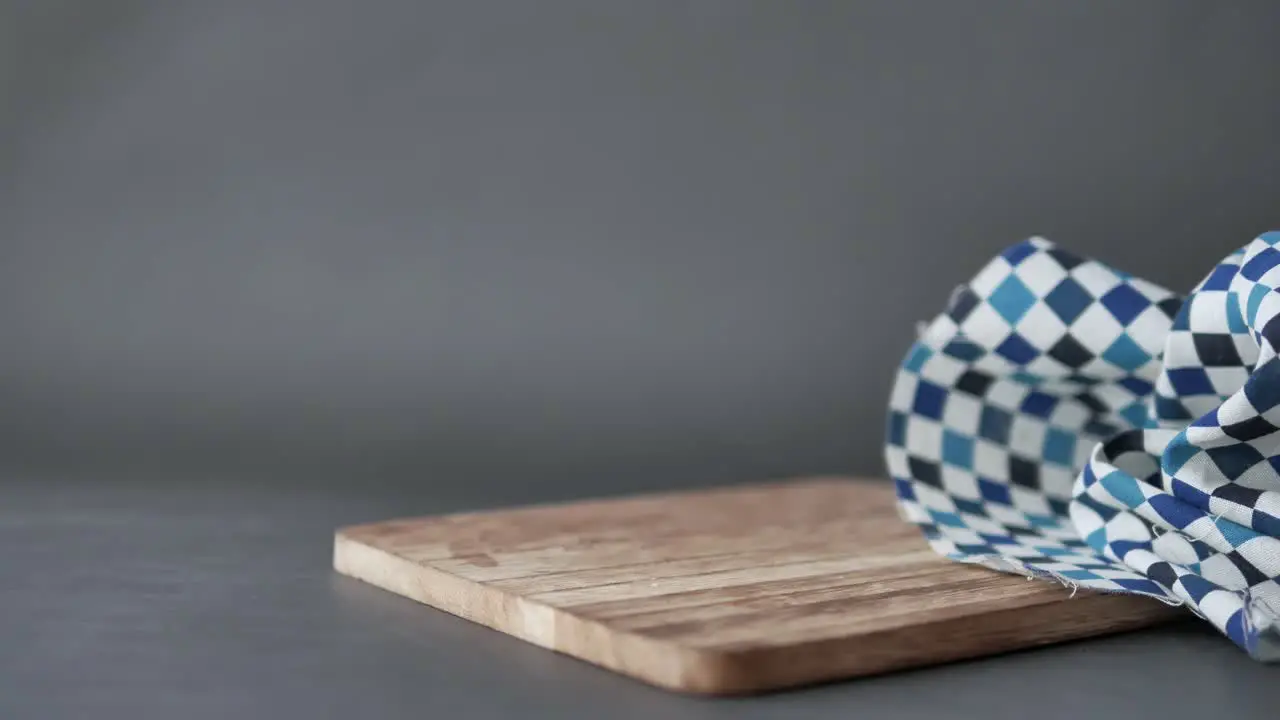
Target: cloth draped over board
point(1064, 419)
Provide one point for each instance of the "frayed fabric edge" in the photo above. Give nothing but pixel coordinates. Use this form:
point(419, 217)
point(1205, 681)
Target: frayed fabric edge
point(1004, 565)
point(1263, 622)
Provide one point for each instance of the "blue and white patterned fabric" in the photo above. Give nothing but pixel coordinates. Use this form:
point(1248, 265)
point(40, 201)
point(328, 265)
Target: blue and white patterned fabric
point(1064, 419)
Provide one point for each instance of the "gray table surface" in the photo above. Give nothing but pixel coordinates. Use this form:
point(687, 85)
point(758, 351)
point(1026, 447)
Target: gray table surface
point(194, 597)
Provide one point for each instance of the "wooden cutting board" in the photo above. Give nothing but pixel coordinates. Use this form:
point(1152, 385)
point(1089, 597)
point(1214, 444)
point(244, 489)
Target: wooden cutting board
point(727, 591)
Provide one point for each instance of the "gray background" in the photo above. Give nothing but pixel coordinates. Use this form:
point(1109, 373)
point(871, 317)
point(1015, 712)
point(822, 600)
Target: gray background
point(269, 267)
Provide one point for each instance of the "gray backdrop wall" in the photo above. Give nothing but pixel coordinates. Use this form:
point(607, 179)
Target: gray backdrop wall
point(458, 241)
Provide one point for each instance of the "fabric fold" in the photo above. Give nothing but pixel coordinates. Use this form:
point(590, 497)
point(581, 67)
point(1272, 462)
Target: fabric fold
point(1064, 419)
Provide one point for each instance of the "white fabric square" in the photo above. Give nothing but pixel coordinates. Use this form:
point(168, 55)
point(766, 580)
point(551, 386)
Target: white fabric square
point(1096, 329)
point(1041, 274)
point(924, 438)
point(1095, 278)
point(1041, 326)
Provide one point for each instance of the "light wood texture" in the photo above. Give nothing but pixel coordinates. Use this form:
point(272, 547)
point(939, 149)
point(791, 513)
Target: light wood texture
point(734, 590)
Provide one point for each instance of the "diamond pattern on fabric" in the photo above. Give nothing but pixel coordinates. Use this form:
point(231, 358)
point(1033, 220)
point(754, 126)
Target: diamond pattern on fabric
point(1064, 419)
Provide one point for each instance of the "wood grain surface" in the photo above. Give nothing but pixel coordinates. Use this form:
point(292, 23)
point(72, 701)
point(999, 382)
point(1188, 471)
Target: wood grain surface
point(735, 590)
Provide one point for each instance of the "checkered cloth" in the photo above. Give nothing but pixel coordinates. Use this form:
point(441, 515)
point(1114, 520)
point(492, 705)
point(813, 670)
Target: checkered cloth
point(1064, 419)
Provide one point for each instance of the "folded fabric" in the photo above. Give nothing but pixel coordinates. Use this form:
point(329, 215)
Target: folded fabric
point(1067, 420)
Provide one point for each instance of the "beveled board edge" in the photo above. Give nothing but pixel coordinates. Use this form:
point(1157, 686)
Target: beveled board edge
point(660, 663)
